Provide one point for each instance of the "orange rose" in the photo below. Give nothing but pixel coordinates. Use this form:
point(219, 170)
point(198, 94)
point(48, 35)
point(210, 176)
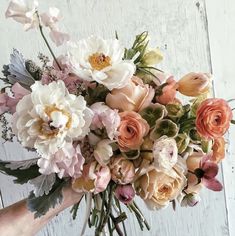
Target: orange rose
point(133, 97)
point(132, 129)
point(168, 92)
point(218, 150)
point(213, 118)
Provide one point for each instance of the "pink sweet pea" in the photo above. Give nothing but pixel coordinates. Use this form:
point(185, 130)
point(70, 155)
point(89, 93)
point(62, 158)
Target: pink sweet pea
point(207, 172)
point(49, 20)
point(23, 13)
point(8, 103)
point(168, 92)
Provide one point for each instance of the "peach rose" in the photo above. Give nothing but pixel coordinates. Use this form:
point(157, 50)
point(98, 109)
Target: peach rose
point(132, 129)
point(168, 92)
point(122, 170)
point(95, 178)
point(158, 188)
point(135, 96)
point(213, 118)
point(218, 149)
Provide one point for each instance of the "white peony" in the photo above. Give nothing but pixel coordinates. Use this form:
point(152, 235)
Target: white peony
point(96, 59)
point(50, 117)
point(165, 153)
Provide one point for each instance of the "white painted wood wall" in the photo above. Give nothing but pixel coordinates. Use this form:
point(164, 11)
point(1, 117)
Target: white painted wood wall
point(195, 35)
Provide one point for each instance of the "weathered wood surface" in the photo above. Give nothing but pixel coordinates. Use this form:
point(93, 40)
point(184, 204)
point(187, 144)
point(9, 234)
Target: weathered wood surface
point(180, 29)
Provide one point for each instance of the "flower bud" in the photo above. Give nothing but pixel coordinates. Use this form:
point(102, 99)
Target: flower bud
point(152, 57)
point(182, 141)
point(194, 84)
point(103, 151)
point(125, 193)
point(164, 127)
point(122, 170)
point(191, 199)
point(175, 110)
point(153, 113)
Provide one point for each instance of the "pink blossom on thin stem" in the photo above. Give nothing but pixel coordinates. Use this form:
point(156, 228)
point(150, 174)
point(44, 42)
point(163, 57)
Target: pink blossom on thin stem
point(207, 172)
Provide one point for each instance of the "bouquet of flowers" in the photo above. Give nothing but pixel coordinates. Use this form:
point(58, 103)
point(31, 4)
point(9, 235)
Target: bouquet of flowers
point(103, 119)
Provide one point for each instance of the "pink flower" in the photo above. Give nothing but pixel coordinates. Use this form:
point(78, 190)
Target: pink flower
point(168, 92)
point(67, 162)
point(105, 117)
point(8, 103)
point(132, 130)
point(49, 20)
point(207, 172)
point(23, 13)
point(95, 178)
point(71, 81)
point(125, 193)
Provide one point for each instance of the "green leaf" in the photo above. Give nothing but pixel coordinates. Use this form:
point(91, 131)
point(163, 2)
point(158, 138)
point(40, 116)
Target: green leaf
point(22, 175)
point(41, 205)
point(97, 94)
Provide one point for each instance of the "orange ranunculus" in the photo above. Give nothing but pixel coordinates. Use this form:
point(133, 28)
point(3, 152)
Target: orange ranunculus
point(135, 96)
point(213, 118)
point(132, 129)
point(168, 92)
point(218, 150)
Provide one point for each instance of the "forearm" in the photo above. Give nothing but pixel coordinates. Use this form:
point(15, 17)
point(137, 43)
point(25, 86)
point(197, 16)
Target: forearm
point(18, 220)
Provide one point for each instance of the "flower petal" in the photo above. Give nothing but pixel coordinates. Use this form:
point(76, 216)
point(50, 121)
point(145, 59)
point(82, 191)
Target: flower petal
point(212, 184)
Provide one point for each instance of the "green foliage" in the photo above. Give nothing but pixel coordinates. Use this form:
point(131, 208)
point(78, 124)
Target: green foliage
point(164, 127)
point(97, 94)
point(41, 205)
point(22, 175)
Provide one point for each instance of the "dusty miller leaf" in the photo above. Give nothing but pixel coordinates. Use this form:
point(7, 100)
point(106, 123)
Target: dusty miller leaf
point(22, 175)
point(18, 71)
point(41, 205)
point(43, 184)
point(22, 165)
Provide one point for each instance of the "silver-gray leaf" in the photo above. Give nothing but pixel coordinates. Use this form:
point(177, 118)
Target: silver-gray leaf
point(43, 184)
point(18, 70)
point(22, 165)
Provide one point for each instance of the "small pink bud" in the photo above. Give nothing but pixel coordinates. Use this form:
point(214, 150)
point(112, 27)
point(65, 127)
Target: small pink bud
point(125, 193)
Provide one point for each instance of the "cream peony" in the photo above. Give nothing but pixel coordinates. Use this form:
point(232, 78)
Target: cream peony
point(96, 59)
point(50, 117)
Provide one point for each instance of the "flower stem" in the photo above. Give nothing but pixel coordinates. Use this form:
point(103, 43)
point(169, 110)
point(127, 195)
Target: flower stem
point(45, 40)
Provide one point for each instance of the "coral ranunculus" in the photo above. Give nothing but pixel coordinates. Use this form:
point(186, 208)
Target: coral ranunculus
point(213, 118)
point(131, 130)
point(218, 150)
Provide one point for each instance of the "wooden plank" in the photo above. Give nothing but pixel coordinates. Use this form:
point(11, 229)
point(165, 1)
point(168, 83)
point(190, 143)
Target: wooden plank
point(179, 27)
point(221, 21)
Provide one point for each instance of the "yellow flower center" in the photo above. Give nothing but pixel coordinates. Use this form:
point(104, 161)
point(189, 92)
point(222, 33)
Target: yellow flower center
point(99, 61)
point(46, 129)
